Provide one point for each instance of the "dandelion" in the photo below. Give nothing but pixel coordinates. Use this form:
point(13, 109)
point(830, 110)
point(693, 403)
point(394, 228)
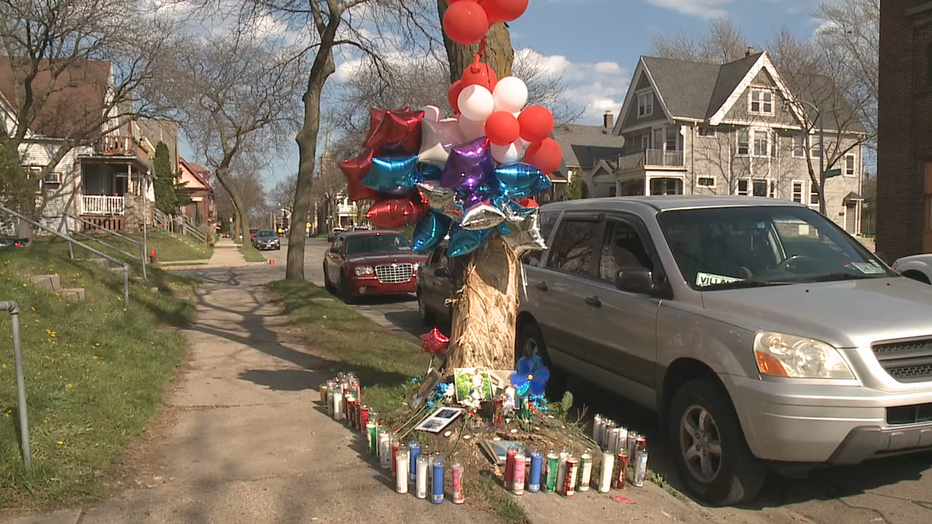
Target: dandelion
point(61, 442)
point(96, 357)
point(24, 284)
point(70, 386)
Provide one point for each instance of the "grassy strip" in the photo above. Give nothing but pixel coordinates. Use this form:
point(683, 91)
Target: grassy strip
point(251, 254)
point(95, 372)
point(168, 247)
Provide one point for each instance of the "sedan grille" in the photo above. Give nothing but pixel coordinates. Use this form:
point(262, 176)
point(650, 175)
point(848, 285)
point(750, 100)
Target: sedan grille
point(394, 273)
point(906, 361)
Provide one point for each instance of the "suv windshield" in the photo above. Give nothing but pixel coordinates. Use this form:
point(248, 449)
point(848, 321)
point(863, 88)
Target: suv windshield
point(266, 233)
point(728, 248)
point(376, 244)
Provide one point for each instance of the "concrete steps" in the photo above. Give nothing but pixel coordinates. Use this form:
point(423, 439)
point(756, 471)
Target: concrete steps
point(53, 283)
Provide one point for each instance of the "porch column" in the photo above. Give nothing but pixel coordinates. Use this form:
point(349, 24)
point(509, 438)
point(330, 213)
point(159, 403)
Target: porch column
point(129, 179)
point(646, 185)
point(618, 188)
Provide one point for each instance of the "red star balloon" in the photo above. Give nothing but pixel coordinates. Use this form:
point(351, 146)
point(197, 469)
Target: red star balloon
point(434, 343)
point(394, 213)
point(398, 133)
point(356, 169)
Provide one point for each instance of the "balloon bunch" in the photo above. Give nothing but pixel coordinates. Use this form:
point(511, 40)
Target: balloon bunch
point(470, 175)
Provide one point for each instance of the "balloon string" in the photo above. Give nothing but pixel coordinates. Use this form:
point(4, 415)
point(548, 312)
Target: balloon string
point(481, 49)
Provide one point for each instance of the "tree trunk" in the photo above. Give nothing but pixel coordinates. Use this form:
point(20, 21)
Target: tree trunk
point(486, 303)
point(241, 218)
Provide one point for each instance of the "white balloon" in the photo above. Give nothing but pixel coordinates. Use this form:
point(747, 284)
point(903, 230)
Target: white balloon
point(471, 129)
point(431, 113)
point(508, 154)
point(510, 94)
point(476, 103)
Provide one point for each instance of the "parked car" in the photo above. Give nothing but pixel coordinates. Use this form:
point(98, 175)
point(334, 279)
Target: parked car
point(13, 242)
point(367, 263)
point(761, 333)
point(333, 233)
point(434, 287)
point(252, 232)
point(916, 267)
point(266, 239)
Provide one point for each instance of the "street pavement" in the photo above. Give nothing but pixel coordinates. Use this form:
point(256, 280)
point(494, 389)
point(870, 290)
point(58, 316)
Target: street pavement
point(895, 490)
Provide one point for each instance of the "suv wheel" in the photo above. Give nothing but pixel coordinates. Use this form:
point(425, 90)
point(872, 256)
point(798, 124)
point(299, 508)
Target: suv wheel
point(327, 285)
point(530, 342)
point(427, 318)
point(708, 446)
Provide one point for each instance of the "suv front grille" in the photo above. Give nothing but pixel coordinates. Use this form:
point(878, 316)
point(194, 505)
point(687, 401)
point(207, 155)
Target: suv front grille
point(909, 414)
point(394, 273)
point(906, 361)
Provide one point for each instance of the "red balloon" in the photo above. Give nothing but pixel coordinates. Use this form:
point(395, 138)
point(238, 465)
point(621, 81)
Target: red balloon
point(503, 10)
point(355, 169)
point(465, 22)
point(394, 213)
point(481, 75)
point(453, 95)
point(502, 128)
point(434, 342)
point(536, 123)
point(398, 133)
point(545, 155)
point(528, 202)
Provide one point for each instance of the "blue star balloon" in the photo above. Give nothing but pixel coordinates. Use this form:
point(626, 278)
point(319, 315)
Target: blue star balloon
point(463, 241)
point(429, 171)
point(430, 231)
point(519, 180)
point(392, 175)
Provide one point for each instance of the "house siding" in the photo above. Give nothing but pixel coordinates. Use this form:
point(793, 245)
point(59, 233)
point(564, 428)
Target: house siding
point(656, 117)
point(904, 126)
point(55, 202)
point(740, 112)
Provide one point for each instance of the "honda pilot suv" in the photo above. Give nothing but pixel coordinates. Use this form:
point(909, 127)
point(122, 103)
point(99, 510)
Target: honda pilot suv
point(763, 334)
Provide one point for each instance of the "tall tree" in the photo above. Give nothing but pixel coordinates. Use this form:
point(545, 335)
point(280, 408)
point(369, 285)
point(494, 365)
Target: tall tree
point(725, 42)
point(236, 94)
point(164, 184)
point(576, 189)
point(53, 50)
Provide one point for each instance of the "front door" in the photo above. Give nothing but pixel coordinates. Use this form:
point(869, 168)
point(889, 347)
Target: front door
point(624, 340)
point(851, 217)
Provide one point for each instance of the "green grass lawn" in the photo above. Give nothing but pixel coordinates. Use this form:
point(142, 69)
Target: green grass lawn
point(384, 363)
point(95, 372)
point(251, 254)
point(168, 247)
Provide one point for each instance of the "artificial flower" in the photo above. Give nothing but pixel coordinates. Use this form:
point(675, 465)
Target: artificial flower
point(530, 375)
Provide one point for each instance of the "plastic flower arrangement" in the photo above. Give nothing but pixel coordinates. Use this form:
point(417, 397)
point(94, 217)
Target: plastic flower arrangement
point(530, 376)
point(442, 391)
point(538, 403)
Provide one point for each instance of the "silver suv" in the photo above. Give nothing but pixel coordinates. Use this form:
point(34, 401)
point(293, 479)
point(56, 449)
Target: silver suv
point(761, 333)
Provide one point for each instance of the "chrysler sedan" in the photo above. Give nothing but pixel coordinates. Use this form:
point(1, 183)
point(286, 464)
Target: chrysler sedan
point(368, 263)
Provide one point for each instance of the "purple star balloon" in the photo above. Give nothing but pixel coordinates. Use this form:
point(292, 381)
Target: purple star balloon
point(469, 166)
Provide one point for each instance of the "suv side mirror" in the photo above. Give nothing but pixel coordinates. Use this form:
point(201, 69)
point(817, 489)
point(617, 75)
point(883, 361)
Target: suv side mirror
point(442, 272)
point(637, 280)
point(334, 249)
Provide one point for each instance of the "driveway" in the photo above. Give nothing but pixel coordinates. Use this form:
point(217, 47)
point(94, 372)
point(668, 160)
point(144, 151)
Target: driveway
point(894, 491)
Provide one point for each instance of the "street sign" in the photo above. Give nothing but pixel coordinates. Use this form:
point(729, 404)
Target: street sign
point(831, 173)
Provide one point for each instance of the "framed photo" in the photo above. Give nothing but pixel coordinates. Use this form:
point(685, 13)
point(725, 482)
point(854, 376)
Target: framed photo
point(472, 383)
point(425, 389)
point(439, 420)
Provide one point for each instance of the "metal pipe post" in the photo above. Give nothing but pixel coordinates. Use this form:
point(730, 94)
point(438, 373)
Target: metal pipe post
point(13, 309)
point(126, 284)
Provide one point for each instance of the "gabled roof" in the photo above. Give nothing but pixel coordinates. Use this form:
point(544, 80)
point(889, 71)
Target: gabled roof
point(197, 171)
point(729, 78)
point(821, 91)
point(686, 87)
point(583, 145)
point(77, 99)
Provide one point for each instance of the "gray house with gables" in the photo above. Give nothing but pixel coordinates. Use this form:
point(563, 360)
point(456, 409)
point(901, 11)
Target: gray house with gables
point(740, 128)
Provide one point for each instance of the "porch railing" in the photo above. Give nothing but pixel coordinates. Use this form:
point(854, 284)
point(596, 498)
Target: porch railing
point(651, 158)
point(102, 205)
point(115, 146)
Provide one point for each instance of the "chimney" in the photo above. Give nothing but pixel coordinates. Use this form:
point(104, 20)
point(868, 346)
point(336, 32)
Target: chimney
point(608, 120)
point(751, 51)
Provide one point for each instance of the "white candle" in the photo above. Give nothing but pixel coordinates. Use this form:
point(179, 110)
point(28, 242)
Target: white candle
point(401, 471)
point(338, 404)
point(605, 476)
point(561, 472)
point(421, 477)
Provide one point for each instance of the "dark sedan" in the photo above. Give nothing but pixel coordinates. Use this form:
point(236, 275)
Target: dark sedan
point(367, 263)
point(266, 239)
point(434, 287)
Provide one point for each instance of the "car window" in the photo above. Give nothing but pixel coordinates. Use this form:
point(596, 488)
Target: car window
point(547, 221)
point(622, 248)
point(356, 245)
point(730, 247)
point(266, 233)
point(573, 247)
point(438, 257)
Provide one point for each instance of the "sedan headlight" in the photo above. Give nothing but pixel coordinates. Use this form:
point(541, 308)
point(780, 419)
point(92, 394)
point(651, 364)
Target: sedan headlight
point(364, 270)
point(780, 355)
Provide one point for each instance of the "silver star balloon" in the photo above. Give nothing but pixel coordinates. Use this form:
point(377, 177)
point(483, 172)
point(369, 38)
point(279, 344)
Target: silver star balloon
point(438, 139)
point(525, 235)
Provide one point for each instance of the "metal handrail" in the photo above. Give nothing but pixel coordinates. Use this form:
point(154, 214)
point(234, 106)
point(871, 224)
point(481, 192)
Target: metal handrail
point(72, 242)
point(13, 309)
point(142, 249)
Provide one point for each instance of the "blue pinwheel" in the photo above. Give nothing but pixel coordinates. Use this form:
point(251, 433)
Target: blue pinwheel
point(531, 374)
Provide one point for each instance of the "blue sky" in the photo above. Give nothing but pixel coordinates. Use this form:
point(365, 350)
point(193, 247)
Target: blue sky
point(595, 44)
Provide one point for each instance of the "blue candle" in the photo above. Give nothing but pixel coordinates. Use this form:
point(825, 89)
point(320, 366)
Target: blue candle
point(414, 449)
point(436, 492)
point(533, 479)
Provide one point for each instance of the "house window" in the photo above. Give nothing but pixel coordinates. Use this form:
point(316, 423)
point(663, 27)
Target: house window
point(672, 135)
point(797, 192)
point(707, 131)
point(761, 143)
point(799, 146)
point(813, 195)
point(762, 101)
point(849, 165)
point(645, 104)
point(645, 142)
point(743, 142)
point(705, 181)
point(816, 151)
point(744, 187)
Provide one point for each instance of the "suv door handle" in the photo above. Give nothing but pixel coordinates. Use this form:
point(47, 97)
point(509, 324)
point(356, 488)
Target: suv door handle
point(542, 285)
point(593, 301)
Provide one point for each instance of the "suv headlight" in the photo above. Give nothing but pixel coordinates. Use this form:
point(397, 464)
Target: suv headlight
point(364, 270)
point(780, 355)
